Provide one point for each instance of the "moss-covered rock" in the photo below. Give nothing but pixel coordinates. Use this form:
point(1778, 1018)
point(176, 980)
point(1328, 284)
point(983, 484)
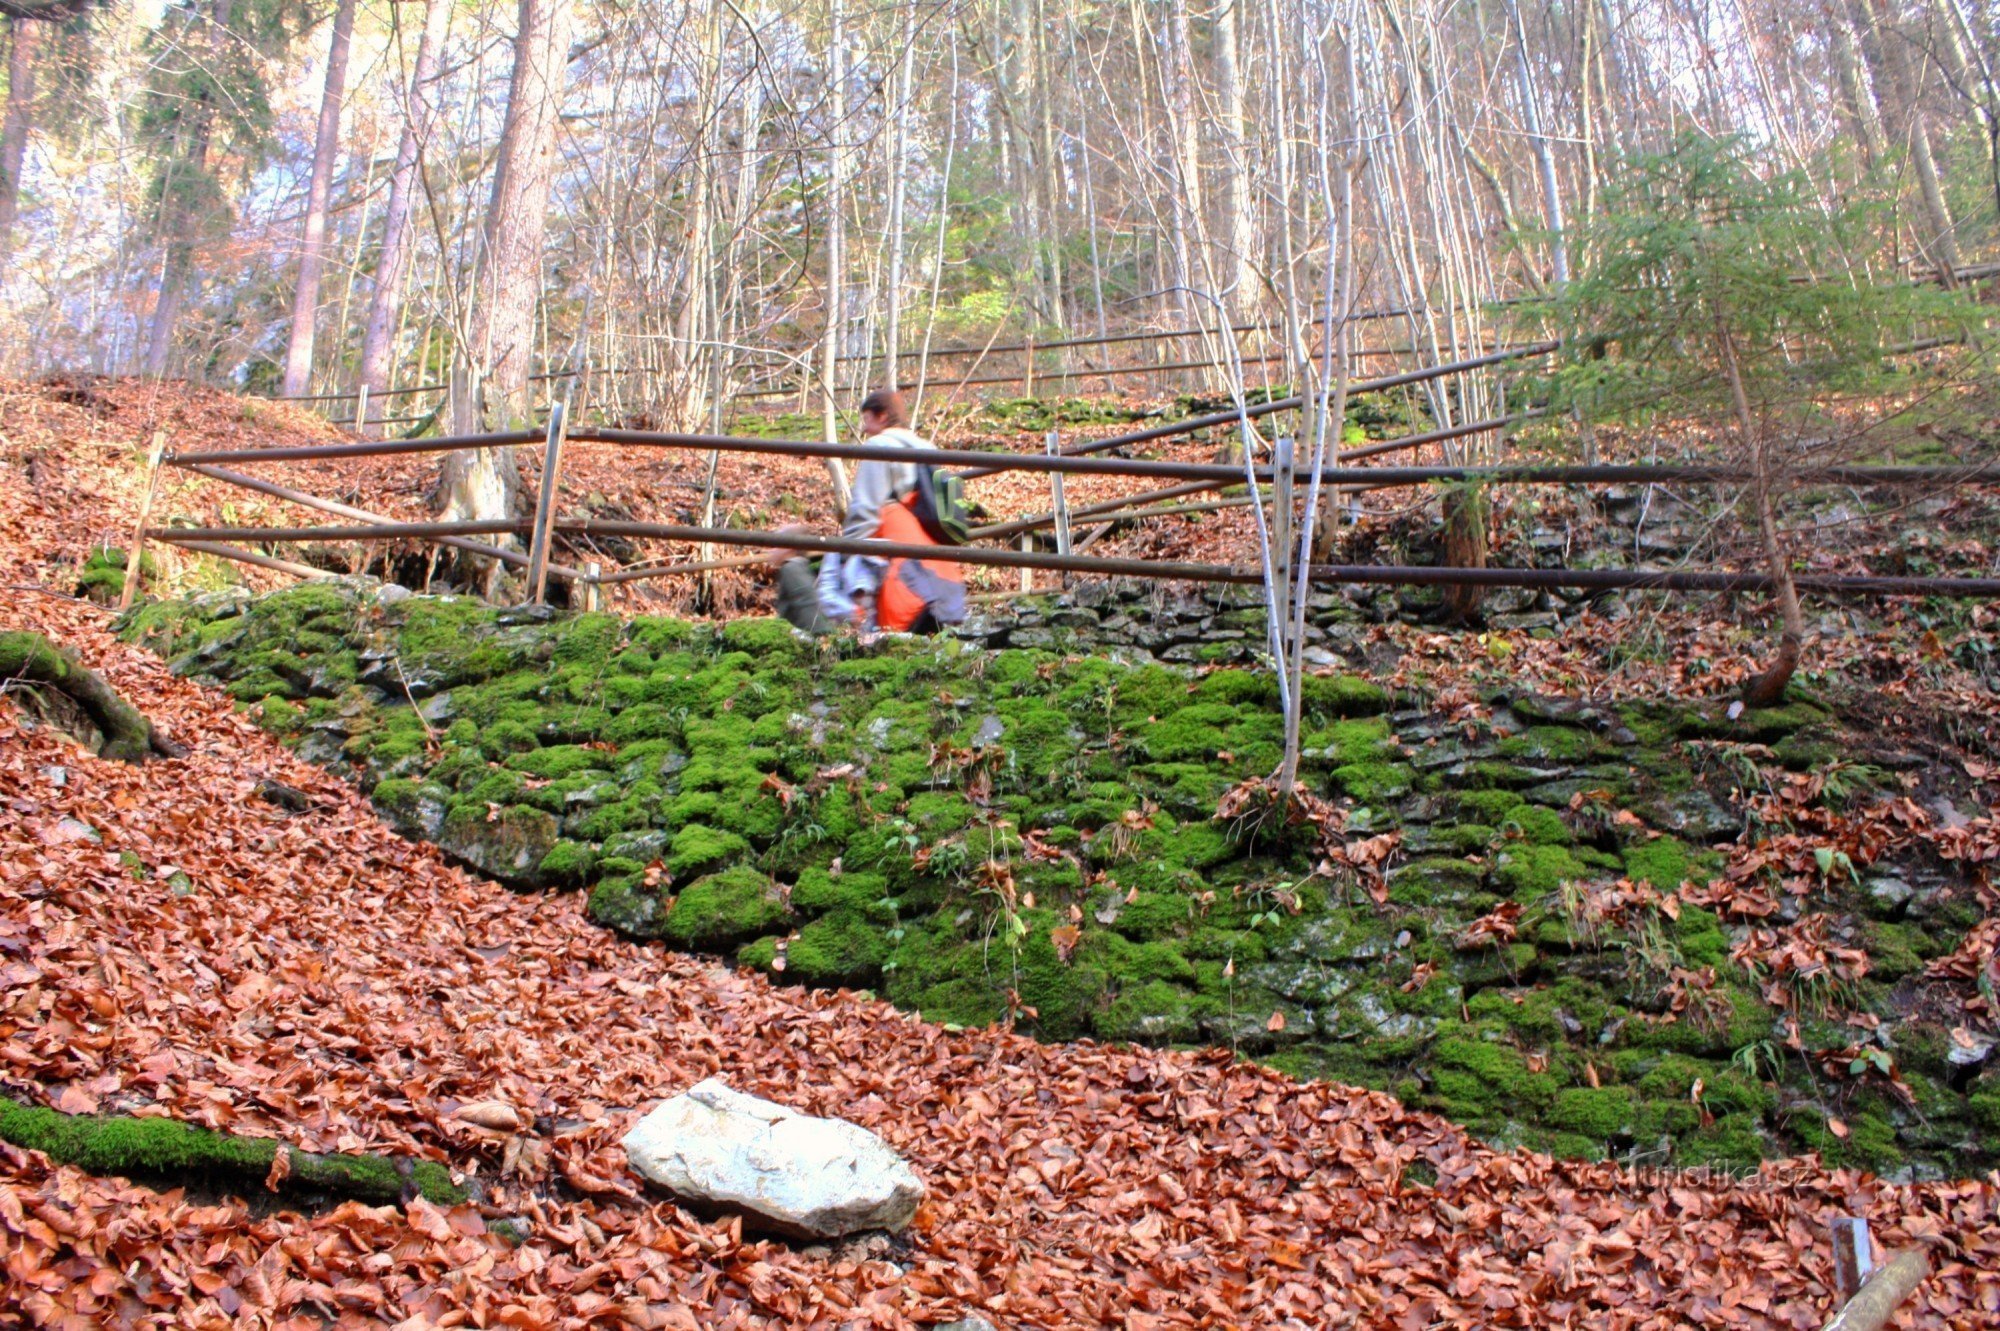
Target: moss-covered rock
point(722, 910)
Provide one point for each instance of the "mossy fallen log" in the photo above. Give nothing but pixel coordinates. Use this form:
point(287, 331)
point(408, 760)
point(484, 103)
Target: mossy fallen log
point(165, 1148)
point(128, 735)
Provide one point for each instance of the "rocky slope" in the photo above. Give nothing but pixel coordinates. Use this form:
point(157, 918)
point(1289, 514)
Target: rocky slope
point(1538, 921)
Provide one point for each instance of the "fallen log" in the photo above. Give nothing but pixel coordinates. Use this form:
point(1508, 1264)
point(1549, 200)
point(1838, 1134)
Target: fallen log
point(129, 736)
point(1876, 1302)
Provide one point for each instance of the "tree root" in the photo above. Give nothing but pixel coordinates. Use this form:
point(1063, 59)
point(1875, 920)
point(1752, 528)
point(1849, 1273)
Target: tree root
point(165, 1148)
point(128, 736)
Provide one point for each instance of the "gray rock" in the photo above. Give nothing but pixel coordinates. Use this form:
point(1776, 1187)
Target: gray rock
point(389, 593)
point(973, 1322)
point(815, 1178)
point(1890, 895)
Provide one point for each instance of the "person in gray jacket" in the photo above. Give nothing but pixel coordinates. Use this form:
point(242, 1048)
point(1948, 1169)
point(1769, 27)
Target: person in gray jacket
point(846, 587)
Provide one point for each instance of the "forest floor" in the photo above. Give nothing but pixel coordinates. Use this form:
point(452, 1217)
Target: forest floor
point(171, 945)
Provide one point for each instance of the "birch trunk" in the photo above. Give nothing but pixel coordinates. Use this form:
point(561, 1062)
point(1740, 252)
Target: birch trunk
point(836, 250)
point(1239, 272)
point(312, 239)
point(419, 115)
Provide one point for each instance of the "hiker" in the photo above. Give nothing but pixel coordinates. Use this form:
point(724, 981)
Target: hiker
point(889, 501)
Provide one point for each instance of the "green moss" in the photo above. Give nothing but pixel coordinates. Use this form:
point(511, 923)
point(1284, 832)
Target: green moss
point(1146, 693)
point(1477, 1078)
point(1662, 861)
point(558, 761)
point(1600, 1114)
point(1550, 744)
point(818, 891)
point(1155, 1012)
point(840, 948)
point(722, 910)
point(1529, 872)
point(1195, 846)
point(697, 848)
point(1893, 949)
point(1543, 827)
point(568, 863)
point(1492, 807)
point(1344, 695)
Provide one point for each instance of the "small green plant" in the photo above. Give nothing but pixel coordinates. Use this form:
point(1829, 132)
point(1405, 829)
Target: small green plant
point(1759, 1060)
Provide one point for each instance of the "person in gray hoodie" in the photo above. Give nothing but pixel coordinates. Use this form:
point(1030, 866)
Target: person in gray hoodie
point(847, 587)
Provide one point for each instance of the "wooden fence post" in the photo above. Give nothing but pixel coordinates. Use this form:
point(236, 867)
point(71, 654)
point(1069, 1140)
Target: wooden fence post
point(545, 506)
point(135, 554)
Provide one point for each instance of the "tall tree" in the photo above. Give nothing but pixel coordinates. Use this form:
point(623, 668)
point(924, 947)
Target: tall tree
point(490, 383)
point(205, 105)
point(420, 110)
point(24, 35)
point(312, 239)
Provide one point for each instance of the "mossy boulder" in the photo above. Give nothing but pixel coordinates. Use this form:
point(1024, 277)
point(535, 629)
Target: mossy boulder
point(503, 842)
point(722, 910)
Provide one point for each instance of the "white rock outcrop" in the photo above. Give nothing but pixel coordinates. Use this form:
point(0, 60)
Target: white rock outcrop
point(817, 1178)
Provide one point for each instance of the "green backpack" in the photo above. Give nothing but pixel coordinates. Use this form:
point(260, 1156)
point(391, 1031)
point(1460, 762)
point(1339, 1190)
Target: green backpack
point(939, 505)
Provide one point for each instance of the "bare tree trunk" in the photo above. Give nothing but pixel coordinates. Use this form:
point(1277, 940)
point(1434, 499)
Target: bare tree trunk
point(899, 128)
point(1545, 160)
point(1855, 86)
point(1888, 49)
point(419, 115)
point(836, 250)
point(19, 119)
point(1239, 225)
point(484, 483)
point(312, 241)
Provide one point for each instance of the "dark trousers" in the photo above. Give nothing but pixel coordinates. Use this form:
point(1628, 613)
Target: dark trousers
point(798, 597)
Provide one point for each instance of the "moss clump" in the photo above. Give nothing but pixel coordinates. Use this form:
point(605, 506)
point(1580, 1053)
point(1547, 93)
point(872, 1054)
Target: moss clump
point(697, 848)
point(716, 913)
point(1663, 862)
point(1477, 1078)
point(1344, 695)
point(818, 891)
point(841, 948)
point(1529, 872)
point(1155, 1012)
point(568, 863)
point(1600, 1114)
point(165, 1148)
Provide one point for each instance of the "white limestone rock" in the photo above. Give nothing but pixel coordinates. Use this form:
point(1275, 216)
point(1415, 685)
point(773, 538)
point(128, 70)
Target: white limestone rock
point(806, 1177)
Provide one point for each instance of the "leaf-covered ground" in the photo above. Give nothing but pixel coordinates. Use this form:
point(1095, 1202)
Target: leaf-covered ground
point(171, 943)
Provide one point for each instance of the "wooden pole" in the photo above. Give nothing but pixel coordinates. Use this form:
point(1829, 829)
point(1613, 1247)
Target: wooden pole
point(1058, 496)
point(307, 500)
point(1402, 575)
point(135, 554)
point(545, 507)
point(1871, 1309)
point(243, 556)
